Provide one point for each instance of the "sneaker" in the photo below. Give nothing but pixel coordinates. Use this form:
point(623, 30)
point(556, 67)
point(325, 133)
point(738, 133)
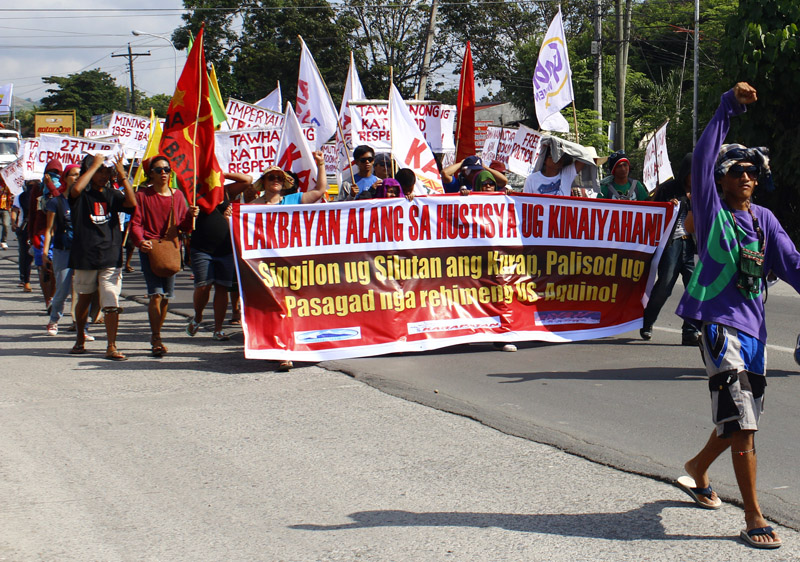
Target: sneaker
point(88, 337)
point(508, 347)
point(3, 246)
point(797, 351)
point(221, 336)
point(646, 333)
point(192, 327)
point(52, 329)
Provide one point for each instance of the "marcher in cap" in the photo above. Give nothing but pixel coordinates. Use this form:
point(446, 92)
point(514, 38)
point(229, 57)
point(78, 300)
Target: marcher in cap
point(619, 185)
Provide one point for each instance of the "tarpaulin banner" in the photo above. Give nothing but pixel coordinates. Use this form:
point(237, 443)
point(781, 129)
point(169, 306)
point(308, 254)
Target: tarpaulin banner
point(381, 276)
point(70, 150)
point(370, 124)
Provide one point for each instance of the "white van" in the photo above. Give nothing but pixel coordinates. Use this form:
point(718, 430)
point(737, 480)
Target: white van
point(10, 143)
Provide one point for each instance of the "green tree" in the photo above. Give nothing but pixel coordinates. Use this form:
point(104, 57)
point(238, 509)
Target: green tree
point(393, 37)
point(159, 103)
point(266, 49)
point(762, 47)
point(92, 92)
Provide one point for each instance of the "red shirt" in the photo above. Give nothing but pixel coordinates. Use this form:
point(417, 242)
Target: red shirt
point(151, 218)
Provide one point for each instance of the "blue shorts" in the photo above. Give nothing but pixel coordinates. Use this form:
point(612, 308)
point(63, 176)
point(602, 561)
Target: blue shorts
point(736, 365)
point(156, 285)
point(38, 253)
point(208, 269)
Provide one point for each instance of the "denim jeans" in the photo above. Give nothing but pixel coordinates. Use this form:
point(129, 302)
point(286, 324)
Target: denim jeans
point(677, 260)
point(25, 259)
point(5, 225)
point(63, 275)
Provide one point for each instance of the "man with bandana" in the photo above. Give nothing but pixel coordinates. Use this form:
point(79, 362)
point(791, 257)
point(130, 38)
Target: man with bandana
point(738, 242)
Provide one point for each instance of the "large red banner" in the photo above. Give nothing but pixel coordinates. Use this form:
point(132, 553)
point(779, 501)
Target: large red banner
point(329, 281)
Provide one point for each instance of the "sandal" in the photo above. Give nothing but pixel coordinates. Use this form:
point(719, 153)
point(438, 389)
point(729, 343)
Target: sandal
point(78, 349)
point(114, 354)
point(157, 348)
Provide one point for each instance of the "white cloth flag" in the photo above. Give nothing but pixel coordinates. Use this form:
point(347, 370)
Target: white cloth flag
point(353, 91)
point(272, 101)
point(5, 98)
point(314, 104)
point(294, 153)
point(409, 148)
point(552, 79)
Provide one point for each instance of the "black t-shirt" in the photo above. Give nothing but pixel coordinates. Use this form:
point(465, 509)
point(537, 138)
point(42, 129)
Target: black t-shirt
point(97, 238)
point(211, 233)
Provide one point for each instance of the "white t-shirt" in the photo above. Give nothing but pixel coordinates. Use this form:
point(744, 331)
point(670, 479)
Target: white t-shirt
point(561, 184)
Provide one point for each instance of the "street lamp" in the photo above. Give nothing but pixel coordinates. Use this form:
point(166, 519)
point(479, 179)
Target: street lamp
point(137, 33)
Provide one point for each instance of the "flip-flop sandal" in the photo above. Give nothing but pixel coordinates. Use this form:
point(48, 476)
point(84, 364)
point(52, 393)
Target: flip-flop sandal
point(157, 348)
point(688, 485)
point(747, 536)
point(115, 355)
point(78, 349)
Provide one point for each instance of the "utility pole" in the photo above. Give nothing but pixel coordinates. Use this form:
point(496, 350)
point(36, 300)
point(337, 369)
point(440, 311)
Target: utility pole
point(597, 51)
point(619, 136)
point(132, 96)
point(623, 42)
point(426, 59)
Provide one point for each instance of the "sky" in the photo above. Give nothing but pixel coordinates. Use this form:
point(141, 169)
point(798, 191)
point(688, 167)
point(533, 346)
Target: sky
point(60, 37)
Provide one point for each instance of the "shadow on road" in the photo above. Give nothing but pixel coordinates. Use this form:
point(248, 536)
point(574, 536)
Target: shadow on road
point(643, 523)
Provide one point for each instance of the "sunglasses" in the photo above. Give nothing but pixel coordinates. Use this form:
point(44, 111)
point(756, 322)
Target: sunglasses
point(275, 177)
point(369, 159)
point(161, 169)
point(737, 171)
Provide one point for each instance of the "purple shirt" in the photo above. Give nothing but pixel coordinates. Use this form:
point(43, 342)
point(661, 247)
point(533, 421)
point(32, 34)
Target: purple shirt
point(712, 295)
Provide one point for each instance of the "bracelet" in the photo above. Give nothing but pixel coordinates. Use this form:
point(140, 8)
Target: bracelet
point(742, 453)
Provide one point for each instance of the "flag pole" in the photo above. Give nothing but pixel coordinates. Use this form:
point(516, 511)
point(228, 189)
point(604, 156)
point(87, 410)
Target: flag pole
point(575, 121)
point(200, 72)
point(391, 133)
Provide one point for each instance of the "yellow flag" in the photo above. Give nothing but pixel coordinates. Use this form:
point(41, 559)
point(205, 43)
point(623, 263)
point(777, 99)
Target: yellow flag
point(152, 147)
point(217, 107)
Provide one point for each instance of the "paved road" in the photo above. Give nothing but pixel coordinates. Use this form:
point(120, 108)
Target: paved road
point(640, 406)
point(203, 455)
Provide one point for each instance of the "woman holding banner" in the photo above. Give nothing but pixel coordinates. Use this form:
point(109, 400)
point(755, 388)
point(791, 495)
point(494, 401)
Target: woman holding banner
point(275, 182)
point(157, 208)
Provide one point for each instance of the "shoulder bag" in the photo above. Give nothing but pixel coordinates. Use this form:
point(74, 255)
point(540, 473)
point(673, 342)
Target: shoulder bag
point(165, 253)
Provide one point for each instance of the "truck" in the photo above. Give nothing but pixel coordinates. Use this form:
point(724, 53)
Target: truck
point(10, 143)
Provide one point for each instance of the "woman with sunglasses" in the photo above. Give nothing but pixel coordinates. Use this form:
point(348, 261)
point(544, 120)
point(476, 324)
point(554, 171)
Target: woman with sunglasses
point(738, 243)
point(155, 203)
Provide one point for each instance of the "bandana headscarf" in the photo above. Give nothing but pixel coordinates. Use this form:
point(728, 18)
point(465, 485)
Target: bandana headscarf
point(730, 154)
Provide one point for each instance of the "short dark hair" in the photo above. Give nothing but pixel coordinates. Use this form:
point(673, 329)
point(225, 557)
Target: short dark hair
point(407, 179)
point(361, 150)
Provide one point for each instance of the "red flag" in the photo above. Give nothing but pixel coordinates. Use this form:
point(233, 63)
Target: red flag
point(188, 139)
point(465, 132)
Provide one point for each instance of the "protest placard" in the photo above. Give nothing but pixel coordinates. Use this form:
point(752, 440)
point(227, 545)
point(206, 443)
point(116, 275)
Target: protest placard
point(96, 133)
point(247, 151)
point(524, 151)
point(69, 150)
point(657, 168)
point(498, 144)
point(370, 124)
point(133, 131)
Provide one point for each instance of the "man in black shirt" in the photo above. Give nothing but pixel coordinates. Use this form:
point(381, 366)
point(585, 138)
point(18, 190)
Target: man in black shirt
point(96, 253)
